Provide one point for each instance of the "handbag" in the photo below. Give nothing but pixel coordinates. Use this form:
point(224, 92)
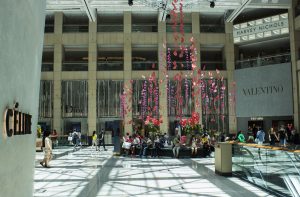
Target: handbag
point(126, 145)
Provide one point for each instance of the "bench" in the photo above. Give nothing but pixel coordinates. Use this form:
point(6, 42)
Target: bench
point(185, 152)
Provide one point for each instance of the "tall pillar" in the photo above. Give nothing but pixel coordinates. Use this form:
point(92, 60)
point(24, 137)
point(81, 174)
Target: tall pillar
point(163, 97)
point(21, 37)
point(197, 90)
point(92, 78)
point(230, 66)
point(58, 57)
point(127, 70)
point(295, 46)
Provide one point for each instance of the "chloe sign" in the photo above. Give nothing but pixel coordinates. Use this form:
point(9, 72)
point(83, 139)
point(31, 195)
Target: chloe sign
point(16, 122)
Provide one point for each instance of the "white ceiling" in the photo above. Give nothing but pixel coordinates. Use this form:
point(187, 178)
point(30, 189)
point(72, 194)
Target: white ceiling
point(116, 6)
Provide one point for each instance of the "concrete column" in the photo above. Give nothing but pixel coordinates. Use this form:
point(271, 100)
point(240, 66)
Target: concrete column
point(92, 78)
point(295, 45)
point(230, 65)
point(196, 35)
point(127, 70)
point(58, 57)
point(163, 97)
point(21, 38)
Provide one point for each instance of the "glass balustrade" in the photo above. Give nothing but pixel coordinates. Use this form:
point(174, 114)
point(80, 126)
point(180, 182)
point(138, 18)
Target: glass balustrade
point(110, 28)
point(212, 28)
point(69, 28)
point(179, 65)
point(187, 28)
point(263, 61)
point(144, 65)
point(272, 168)
point(47, 67)
point(49, 28)
point(144, 28)
point(110, 65)
point(75, 66)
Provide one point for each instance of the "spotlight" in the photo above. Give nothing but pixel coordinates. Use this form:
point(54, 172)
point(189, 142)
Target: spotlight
point(130, 2)
point(212, 4)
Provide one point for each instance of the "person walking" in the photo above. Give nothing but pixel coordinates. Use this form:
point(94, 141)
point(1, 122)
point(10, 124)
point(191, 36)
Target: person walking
point(101, 140)
point(94, 140)
point(272, 137)
point(47, 150)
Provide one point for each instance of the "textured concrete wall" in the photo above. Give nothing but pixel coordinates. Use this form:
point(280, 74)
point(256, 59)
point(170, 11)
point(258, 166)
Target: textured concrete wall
point(21, 41)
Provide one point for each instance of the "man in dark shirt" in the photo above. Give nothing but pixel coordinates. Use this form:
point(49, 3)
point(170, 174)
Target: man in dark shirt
point(101, 139)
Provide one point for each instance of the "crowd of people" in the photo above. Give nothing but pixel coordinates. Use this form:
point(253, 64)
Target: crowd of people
point(283, 135)
point(152, 146)
point(143, 146)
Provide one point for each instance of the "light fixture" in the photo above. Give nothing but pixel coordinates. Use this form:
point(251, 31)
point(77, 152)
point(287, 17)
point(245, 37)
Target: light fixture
point(212, 4)
point(130, 2)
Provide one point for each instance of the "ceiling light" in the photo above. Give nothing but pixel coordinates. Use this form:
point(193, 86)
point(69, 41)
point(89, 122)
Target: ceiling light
point(212, 4)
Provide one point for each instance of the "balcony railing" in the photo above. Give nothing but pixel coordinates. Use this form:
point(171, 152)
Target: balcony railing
point(47, 67)
point(263, 61)
point(113, 65)
point(179, 66)
point(75, 66)
point(110, 28)
point(145, 65)
point(187, 28)
point(212, 28)
point(144, 28)
point(213, 65)
point(49, 28)
point(68, 28)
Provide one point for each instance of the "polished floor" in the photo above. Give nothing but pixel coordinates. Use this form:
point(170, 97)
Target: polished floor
point(87, 173)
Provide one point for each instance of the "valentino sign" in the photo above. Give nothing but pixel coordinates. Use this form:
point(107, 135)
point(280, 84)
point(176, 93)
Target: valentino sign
point(16, 122)
point(255, 91)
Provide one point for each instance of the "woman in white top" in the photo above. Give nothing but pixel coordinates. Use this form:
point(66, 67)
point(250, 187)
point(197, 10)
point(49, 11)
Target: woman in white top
point(47, 151)
point(194, 146)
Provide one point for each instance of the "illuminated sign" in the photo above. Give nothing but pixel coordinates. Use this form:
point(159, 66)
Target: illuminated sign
point(16, 122)
point(261, 28)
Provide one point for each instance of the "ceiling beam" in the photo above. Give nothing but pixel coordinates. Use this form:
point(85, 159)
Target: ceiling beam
point(91, 12)
point(237, 11)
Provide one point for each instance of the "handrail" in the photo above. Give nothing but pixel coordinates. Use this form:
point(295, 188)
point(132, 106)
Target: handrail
point(256, 165)
point(292, 162)
point(263, 57)
point(264, 146)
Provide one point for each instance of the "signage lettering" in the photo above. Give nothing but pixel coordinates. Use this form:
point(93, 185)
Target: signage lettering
point(261, 28)
point(256, 91)
point(16, 123)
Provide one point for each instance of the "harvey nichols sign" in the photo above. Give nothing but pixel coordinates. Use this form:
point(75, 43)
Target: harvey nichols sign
point(274, 25)
point(16, 122)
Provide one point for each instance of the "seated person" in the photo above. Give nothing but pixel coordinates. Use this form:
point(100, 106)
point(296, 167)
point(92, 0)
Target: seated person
point(194, 146)
point(176, 148)
point(145, 144)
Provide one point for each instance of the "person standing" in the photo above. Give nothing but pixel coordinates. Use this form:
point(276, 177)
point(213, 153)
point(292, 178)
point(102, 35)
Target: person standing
point(241, 137)
point(272, 137)
point(101, 140)
point(282, 136)
point(260, 136)
point(94, 140)
point(47, 150)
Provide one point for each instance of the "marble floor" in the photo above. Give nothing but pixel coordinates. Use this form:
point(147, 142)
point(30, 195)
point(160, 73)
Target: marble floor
point(87, 173)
